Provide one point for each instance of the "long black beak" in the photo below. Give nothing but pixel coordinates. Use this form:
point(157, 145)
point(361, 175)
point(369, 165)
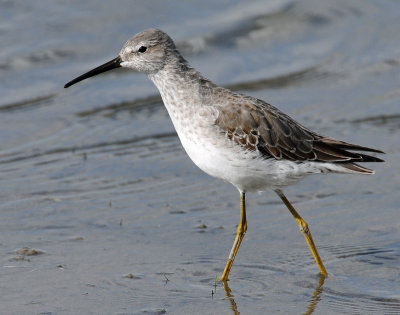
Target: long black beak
point(112, 64)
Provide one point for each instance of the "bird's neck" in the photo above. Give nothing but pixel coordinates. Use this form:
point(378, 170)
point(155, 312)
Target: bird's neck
point(180, 85)
point(183, 91)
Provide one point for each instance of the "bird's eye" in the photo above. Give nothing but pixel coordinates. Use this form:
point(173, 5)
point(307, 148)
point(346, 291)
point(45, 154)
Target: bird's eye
point(142, 49)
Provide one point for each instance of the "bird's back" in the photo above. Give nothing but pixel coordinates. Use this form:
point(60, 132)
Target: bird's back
point(258, 126)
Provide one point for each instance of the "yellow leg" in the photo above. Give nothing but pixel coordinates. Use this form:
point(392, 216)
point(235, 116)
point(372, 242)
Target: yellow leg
point(241, 230)
point(305, 230)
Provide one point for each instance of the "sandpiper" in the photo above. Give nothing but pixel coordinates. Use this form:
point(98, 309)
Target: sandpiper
point(237, 138)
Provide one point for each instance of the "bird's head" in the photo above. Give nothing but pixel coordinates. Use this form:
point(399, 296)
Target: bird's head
point(148, 51)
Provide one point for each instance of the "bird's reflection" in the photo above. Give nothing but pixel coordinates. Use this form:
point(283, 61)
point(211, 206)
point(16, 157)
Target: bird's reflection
point(230, 297)
point(316, 297)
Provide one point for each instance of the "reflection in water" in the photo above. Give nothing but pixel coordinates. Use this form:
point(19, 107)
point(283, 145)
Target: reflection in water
point(31, 102)
point(229, 296)
point(316, 297)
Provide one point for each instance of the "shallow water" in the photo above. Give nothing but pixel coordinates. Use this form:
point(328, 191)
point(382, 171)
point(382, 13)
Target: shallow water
point(114, 216)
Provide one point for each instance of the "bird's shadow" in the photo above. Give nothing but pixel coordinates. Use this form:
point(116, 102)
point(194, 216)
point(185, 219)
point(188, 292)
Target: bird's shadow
point(313, 301)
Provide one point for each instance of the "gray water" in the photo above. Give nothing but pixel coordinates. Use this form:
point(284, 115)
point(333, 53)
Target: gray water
point(102, 212)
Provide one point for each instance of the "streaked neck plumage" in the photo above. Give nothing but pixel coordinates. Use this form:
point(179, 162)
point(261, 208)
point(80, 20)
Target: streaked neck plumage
point(181, 85)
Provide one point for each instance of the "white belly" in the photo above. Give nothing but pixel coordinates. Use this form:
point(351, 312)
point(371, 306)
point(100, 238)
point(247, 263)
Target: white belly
point(248, 171)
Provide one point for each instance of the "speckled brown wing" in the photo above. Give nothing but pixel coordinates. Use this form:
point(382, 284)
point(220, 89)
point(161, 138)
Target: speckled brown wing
point(257, 125)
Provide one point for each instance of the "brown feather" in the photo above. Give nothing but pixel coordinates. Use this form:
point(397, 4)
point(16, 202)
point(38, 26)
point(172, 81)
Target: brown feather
point(262, 127)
